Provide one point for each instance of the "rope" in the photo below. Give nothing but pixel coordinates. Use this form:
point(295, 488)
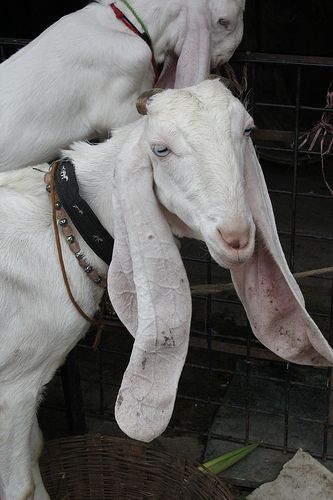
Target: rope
point(137, 17)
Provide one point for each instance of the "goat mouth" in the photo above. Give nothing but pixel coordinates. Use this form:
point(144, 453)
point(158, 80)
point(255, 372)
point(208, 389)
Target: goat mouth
point(227, 262)
point(228, 254)
point(227, 259)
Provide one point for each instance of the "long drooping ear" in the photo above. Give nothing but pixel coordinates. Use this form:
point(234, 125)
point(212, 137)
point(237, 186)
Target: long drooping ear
point(149, 290)
point(168, 75)
point(271, 297)
point(195, 57)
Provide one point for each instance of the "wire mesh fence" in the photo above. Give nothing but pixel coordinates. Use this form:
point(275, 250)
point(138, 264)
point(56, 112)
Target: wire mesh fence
point(232, 389)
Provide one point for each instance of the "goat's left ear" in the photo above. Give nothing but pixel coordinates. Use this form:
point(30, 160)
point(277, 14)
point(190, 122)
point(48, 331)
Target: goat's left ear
point(149, 290)
point(194, 61)
point(270, 295)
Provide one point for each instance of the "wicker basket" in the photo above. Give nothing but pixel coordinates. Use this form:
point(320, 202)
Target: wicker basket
point(103, 468)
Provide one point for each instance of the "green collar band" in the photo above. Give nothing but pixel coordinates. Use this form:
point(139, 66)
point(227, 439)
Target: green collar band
point(137, 17)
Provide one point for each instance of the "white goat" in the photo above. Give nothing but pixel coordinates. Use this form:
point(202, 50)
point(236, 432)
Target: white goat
point(81, 77)
point(187, 168)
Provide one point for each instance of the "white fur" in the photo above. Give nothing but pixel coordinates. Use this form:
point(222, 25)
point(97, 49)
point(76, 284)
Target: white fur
point(200, 182)
point(201, 192)
point(81, 76)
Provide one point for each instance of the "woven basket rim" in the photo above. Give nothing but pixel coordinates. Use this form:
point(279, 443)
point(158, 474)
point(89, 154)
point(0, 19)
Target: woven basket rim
point(122, 466)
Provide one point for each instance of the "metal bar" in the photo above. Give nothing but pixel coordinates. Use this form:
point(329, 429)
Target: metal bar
point(225, 405)
point(101, 380)
point(258, 25)
point(260, 353)
point(307, 235)
point(208, 331)
point(232, 372)
point(253, 90)
point(71, 384)
point(196, 259)
point(292, 106)
point(226, 345)
point(247, 381)
point(271, 446)
point(329, 382)
point(309, 195)
point(14, 42)
point(244, 57)
point(294, 190)
point(284, 59)
point(289, 150)
point(223, 287)
point(286, 136)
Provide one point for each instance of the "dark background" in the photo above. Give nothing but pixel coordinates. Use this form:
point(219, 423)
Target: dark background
point(292, 27)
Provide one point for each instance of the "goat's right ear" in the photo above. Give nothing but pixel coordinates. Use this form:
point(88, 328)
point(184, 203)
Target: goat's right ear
point(194, 61)
point(270, 295)
point(149, 290)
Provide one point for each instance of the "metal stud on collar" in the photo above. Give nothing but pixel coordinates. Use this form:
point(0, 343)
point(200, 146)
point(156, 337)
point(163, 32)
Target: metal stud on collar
point(63, 221)
point(79, 255)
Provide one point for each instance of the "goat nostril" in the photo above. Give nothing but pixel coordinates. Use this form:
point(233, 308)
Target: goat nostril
point(235, 244)
point(235, 239)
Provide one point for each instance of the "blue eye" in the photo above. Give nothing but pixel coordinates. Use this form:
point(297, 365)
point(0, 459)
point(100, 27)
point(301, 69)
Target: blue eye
point(160, 150)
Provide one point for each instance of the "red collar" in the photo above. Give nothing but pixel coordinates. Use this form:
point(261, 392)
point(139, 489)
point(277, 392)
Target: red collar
point(121, 16)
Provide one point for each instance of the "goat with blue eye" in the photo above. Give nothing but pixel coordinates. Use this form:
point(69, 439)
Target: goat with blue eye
point(160, 150)
point(211, 189)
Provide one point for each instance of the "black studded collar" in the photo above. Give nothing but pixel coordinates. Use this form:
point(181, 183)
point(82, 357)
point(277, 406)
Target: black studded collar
point(80, 213)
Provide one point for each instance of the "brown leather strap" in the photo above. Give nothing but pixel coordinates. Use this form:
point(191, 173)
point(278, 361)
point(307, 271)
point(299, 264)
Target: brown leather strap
point(54, 198)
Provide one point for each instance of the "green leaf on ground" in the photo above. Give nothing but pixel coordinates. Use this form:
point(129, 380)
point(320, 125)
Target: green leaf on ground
point(219, 464)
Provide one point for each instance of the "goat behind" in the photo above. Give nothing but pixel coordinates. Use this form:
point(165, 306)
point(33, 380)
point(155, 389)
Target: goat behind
point(81, 77)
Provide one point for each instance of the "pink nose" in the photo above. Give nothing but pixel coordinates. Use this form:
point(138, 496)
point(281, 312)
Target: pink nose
point(237, 238)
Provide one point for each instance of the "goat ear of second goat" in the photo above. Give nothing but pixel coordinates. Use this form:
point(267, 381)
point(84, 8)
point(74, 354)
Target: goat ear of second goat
point(195, 58)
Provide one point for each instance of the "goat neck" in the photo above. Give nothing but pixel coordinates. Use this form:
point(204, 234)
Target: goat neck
point(94, 168)
point(165, 20)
